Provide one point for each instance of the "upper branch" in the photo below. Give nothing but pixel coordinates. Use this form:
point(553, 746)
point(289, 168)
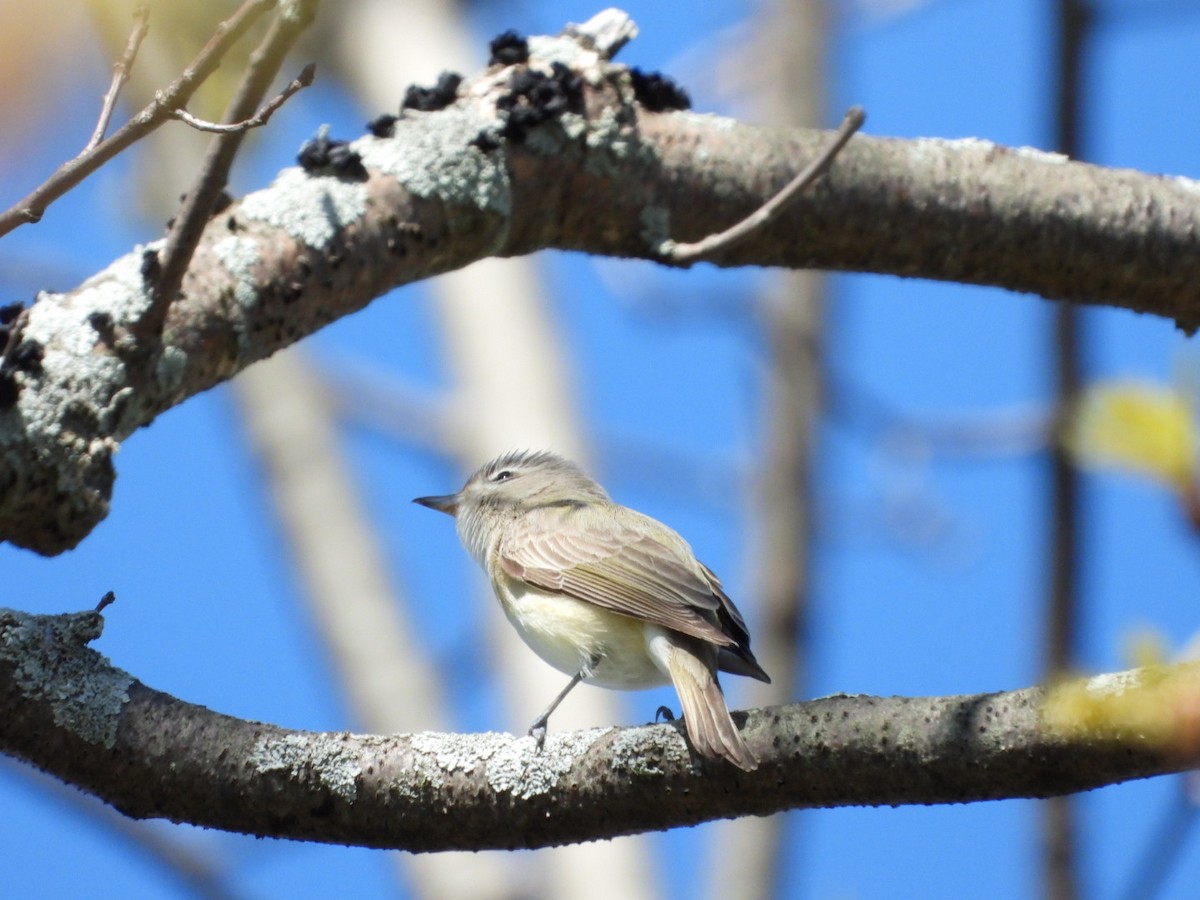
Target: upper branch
point(501, 170)
point(65, 709)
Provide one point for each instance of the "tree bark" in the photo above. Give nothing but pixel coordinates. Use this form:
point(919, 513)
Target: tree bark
point(64, 708)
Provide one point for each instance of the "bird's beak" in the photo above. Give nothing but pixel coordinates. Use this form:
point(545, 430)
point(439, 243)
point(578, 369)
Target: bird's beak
point(447, 503)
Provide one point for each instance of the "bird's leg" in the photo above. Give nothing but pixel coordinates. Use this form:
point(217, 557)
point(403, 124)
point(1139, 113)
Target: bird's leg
point(537, 728)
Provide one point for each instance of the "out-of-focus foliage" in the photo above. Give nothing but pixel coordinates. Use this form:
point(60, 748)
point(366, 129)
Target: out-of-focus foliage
point(1157, 704)
point(1138, 427)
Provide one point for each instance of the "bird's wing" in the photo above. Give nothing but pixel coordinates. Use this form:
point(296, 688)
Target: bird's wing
point(741, 632)
point(627, 563)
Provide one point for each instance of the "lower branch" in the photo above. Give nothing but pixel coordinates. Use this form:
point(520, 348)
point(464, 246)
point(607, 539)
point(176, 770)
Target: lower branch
point(65, 709)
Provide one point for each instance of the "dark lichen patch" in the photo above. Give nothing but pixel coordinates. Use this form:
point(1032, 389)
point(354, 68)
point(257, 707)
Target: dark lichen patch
point(26, 357)
point(151, 266)
point(534, 97)
point(431, 99)
point(19, 355)
point(508, 49)
point(321, 155)
point(484, 141)
point(8, 316)
point(657, 92)
point(383, 125)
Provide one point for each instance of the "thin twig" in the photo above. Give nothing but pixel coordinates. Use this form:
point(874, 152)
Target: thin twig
point(33, 206)
point(681, 253)
point(1061, 860)
point(197, 207)
point(303, 80)
point(121, 69)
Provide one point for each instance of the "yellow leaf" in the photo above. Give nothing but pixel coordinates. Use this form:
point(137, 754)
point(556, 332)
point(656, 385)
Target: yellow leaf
point(1143, 428)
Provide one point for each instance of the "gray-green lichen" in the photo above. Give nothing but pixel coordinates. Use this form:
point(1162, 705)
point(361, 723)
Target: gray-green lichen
point(64, 323)
point(628, 751)
point(81, 376)
point(325, 756)
point(241, 255)
point(512, 766)
point(430, 154)
point(611, 145)
point(310, 208)
point(656, 228)
point(51, 665)
point(170, 368)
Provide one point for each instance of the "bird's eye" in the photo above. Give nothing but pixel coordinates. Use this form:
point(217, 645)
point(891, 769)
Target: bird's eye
point(503, 475)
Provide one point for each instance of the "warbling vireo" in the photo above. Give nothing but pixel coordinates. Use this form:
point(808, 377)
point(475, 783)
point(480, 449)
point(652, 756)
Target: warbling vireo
point(603, 593)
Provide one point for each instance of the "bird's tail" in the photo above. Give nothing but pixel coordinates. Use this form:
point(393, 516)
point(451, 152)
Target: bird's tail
point(709, 727)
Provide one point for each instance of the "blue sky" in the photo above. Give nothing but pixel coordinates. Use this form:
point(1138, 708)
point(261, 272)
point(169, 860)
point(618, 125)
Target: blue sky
point(207, 607)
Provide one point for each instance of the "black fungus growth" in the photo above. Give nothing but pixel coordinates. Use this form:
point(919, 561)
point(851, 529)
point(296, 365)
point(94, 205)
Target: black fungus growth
point(534, 97)
point(102, 322)
point(484, 141)
point(25, 356)
point(508, 49)
point(656, 92)
point(321, 155)
point(151, 266)
point(431, 99)
point(8, 315)
point(383, 126)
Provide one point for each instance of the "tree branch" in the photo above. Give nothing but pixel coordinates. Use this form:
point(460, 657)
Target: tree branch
point(260, 118)
point(33, 206)
point(64, 708)
point(612, 179)
point(690, 253)
point(197, 207)
point(141, 24)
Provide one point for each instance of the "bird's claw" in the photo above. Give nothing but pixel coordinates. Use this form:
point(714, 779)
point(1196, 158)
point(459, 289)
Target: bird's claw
point(537, 731)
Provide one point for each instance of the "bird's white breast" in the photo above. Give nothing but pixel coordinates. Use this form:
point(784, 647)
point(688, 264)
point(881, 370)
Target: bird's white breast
point(568, 633)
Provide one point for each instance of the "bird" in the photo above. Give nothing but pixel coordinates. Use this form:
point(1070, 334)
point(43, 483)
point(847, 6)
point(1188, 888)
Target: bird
point(603, 593)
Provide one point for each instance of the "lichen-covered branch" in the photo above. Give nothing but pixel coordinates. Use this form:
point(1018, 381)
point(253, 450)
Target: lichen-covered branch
point(65, 709)
point(556, 148)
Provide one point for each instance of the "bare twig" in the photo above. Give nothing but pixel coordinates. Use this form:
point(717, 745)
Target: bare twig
point(303, 80)
point(107, 600)
point(198, 205)
point(1060, 825)
point(32, 207)
point(683, 253)
point(781, 500)
point(141, 24)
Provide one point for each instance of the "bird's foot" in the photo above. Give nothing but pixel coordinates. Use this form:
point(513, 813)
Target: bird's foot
point(537, 731)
